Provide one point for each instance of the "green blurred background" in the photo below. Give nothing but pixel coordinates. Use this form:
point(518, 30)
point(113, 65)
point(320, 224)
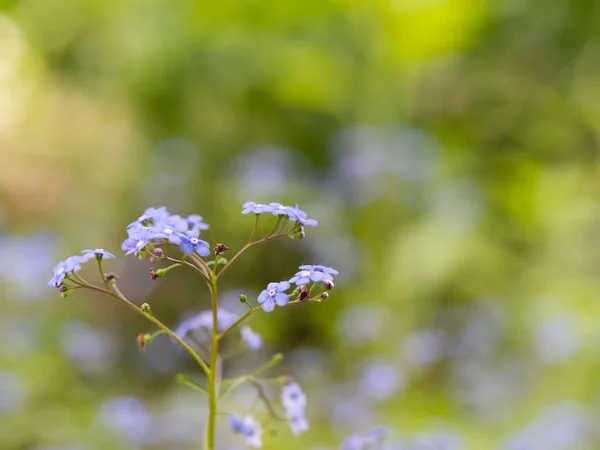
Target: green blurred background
point(449, 148)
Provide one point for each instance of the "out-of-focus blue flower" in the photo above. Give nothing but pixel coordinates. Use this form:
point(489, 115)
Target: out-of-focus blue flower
point(151, 216)
point(200, 325)
point(128, 417)
point(252, 339)
point(139, 238)
point(194, 222)
point(366, 440)
point(275, 293)
point(247, 427)
point(294, 402)
point(190, 244)
point(310, 273)
point(255, 208)
point(71, 264)
point(300, 216)
point(177, 222)
point(380, 380)
point(98, 253)
point(12, 392)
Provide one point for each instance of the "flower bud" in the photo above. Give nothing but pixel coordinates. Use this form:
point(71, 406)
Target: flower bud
point(141, 341)
point(328, 284)
point(243, 298)
point(146, 308)
point(158, 252)
point(324, 295)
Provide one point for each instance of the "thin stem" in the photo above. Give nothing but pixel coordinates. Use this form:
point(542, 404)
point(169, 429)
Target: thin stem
point(119, 295)
point(240, 320)
point(253, 228)
point(214, 354)
point(247, 247)
point(99, 260)
point(182, 379)
point(191, 266)
point(263, 396)
point(237, 382)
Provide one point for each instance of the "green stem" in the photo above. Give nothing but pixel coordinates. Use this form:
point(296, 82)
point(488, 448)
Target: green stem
point(240, 320)
point(182, 379)
point(237, 382)
point(214, 354)
point(247, 247)
point(99, 260)
point(119, 295)
point(253, 228)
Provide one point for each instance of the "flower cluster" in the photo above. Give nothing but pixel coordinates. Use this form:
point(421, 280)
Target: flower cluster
point(277, 209)
point(156, 225)
point(152, 233)
point(73, 264)
point(294, 402)
point(275, 293)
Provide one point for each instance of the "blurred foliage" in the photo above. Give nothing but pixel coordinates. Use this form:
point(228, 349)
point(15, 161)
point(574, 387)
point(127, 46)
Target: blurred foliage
point(449, 149)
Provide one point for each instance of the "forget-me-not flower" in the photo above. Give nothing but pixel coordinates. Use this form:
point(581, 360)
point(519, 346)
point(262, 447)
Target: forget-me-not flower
point(171, 233)
point(177, 222)
point(275, 293)
point(310, 273)
point(151, 216)
point(139, 238)
point(255, 208)
point(247, 427)
point(99, 253)
point(277, 209)
point(294, 402)
point(69, 265)
point(362, 441)
point(190, 243)
point(301, 217)
point(194, 222)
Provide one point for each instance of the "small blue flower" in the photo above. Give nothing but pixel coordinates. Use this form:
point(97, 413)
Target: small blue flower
point(169, 232)
point(194, 222)
point(177, 222)
point(275, 293)
point(319, 268)
point(139, 238)
point(252, 339)
point(277, 209)
point(300, 216)
point(151, 216)
point(294, 402)
point(99, 253)
point(63, 268)
point(255, 208)
point(191, 243)
point(310, 273)
point(247, 427)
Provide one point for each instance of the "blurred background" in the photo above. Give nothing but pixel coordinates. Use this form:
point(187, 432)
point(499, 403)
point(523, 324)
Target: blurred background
point(449, 149)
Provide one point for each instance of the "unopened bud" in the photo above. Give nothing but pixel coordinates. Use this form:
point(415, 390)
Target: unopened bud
point(324, 295)
point(111, 276)
point(243, 298)
point(146, 308)
point(328, 284)
point(158, 252)
point(277, 357)
point(142, 341)
point(297, 233)
point(62, 288)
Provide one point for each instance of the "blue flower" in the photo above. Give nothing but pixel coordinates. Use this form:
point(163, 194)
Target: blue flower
point(99, 253)
point(177, 222)
point(275, 293)
point(300, 216)
point(294, 402)
point(277, 209)
point(365, 440)
point(252, 339)
point(255, 208)
point(169, 232)
point(191, 243)
point(310, 273)
point(247, 427)
point(63, 268)
point(151, 216)
point(138, 239)
point(194, 222)
point(319, 268)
